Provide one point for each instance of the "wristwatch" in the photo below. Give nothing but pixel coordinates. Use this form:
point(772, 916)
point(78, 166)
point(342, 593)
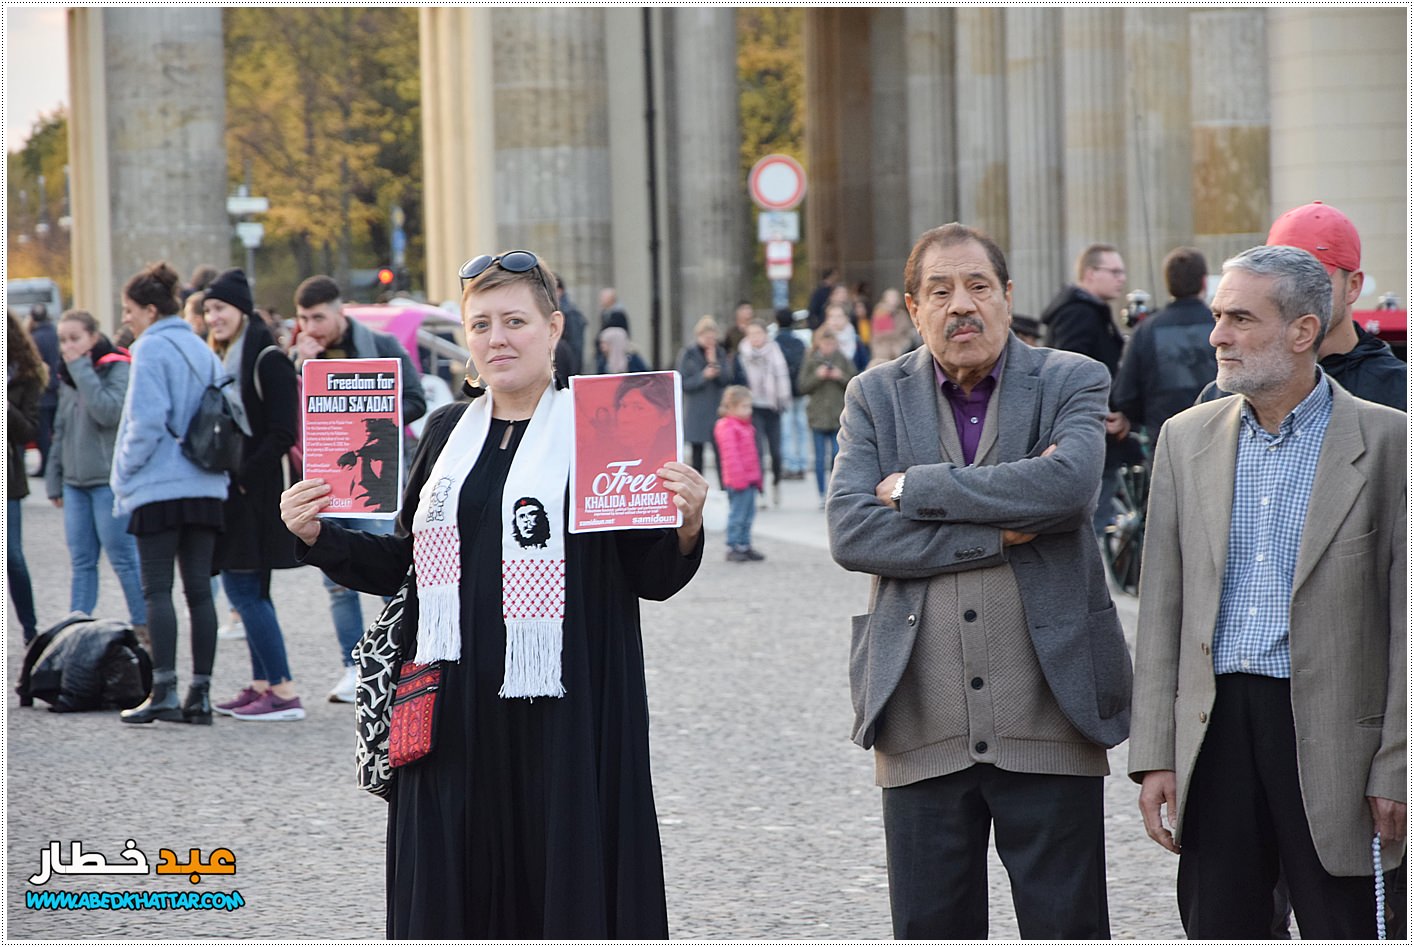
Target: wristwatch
point(897, 493)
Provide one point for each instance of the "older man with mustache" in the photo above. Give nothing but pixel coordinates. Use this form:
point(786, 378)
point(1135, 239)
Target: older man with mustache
point(991, 674)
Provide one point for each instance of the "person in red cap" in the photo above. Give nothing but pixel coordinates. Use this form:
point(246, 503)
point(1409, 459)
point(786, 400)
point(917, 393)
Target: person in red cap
point(1359, 362)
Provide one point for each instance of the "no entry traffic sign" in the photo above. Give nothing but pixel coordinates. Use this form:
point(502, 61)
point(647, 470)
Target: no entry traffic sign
point(777, 182)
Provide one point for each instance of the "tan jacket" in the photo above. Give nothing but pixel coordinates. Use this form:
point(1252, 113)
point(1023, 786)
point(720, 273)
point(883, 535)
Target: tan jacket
point(1347, 623)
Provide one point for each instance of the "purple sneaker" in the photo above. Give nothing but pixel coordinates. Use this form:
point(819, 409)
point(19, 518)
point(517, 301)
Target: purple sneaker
point(270, 707)
point(248, 695)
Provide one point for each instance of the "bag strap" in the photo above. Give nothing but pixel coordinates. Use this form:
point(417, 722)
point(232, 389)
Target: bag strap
point(194, 374)
point(259, 389)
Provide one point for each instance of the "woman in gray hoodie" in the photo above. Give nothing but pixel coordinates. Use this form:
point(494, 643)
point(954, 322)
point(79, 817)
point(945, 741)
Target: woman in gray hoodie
point(93, 375)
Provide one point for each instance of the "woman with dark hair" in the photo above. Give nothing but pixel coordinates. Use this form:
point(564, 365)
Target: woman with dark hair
point(25, 378)
point(532, 816)
point(174, 506)
point(94, 375)
point(256, 541)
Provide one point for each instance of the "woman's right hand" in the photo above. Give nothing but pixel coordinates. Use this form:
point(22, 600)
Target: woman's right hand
point(300, 507)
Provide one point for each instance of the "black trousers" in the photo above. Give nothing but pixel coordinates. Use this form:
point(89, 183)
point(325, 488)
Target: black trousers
point(768, 430)
point(1050, 837)
point(190, 549)
point(1244, 822)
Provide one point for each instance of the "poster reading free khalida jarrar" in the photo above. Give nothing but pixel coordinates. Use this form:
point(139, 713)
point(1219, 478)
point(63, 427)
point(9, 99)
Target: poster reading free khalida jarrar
point(352, 433)
point(625, 428)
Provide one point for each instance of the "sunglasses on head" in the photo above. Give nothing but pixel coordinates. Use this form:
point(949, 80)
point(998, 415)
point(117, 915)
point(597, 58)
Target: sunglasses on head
point(513, 261)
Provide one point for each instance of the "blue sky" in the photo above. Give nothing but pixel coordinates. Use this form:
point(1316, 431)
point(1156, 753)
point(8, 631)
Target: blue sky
point(36, 67)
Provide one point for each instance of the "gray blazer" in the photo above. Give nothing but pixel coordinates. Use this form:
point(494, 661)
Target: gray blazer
point(952, 519)
point(1348, 628)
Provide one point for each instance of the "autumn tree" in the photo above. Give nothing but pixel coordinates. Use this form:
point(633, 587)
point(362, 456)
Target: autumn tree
point(36, 225)
point(771, 85)
point(323, 118)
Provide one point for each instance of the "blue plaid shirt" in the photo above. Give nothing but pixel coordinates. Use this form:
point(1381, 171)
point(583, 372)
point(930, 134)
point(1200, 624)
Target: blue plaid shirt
point(1269, 499)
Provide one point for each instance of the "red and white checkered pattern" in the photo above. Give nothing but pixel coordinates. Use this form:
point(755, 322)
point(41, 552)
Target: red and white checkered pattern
point(533, 588)
point(437, 552)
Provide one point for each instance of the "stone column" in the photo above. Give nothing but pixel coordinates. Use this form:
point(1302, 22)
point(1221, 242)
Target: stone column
point(982, 121)
point(891, 154)
point(95, 287)
point(929, 56)
point(1093, 92)
point(162, 119)
point(551, 141)
point(1231, 132)
point(1159, 141)
point(1339, 127)
point(1037, 211)
point(839, 208)
point(458, 160)
point(706, 188)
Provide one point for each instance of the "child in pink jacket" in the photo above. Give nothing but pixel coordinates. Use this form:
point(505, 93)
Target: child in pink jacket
point(735, 436)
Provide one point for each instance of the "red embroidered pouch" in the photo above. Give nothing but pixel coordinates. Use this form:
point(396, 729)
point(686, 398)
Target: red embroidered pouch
point(413, 724)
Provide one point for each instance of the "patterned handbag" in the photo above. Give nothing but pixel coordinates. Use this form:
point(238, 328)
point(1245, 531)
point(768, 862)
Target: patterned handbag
point(413, 725)
point(378, 661)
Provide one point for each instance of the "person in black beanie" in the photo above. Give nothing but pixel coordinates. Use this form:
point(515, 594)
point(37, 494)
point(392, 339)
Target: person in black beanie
point(256, 541)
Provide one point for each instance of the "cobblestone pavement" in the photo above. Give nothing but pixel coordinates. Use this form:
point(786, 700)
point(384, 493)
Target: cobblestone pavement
point(770, 820)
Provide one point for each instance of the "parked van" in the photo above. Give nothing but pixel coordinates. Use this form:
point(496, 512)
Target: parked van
point(21, 294)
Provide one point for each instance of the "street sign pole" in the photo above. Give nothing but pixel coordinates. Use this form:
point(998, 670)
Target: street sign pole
point(777, 185)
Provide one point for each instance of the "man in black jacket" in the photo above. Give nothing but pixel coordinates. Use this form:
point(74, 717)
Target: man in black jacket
point(1079, 320)
point(1358, 361)
point(1169, 358)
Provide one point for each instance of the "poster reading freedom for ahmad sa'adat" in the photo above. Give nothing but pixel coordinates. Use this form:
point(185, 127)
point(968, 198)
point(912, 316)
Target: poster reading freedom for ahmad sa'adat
point(353, 423)
point(625, 428)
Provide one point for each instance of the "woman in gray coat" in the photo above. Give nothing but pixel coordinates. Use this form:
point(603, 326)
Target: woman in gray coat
point(705, 375)
point(93, 377)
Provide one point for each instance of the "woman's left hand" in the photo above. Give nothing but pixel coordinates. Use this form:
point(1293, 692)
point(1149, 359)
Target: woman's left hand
point(689, 490)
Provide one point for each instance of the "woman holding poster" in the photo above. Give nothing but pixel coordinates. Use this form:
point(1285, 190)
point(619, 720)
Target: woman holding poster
point(532, 815)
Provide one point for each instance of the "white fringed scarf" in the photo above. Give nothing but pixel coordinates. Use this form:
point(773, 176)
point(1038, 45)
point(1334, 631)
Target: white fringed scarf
point(532, 564)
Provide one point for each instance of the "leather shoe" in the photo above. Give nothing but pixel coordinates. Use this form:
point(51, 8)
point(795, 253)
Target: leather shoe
point(161, 704)
point(197, 707)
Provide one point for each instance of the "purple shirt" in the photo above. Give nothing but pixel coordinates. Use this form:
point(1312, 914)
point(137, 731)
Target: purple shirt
point(969, 411)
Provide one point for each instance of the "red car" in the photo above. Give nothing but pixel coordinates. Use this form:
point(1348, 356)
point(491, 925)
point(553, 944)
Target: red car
point(1391, 325)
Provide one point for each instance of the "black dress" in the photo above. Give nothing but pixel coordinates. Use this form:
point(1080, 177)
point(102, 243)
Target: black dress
point(529, 819)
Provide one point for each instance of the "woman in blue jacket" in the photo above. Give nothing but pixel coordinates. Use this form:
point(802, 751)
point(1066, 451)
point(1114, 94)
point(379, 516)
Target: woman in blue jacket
point(174, 506)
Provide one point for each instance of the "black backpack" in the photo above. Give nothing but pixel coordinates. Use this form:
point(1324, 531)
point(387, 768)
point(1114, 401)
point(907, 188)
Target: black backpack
point(214, 439)
point(86, 663)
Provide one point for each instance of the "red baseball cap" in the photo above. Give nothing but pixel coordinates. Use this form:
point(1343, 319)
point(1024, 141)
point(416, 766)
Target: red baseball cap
point(1321, 231)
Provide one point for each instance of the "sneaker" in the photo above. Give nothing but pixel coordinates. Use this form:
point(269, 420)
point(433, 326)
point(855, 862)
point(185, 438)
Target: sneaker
point(751, 555)
point(822, 503)
point(736, 555)
point(231, 632)
point(343, 692)
point(270, 707)
point(247, 696)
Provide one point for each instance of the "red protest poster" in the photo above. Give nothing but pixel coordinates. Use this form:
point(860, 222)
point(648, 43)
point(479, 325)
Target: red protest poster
point(625, 428)
point(353, 423)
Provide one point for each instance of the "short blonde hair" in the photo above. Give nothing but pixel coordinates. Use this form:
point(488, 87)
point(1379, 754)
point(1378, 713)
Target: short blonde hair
point(732, 396)
point(705, 323)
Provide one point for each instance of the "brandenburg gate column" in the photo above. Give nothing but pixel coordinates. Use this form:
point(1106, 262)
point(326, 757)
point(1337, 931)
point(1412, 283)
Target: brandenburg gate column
point(1036, 254)
point(515, 141)
point(1093, 89)
point(147, 147)
point(709, 225)
point(1231, 132)
point(1159, 141)
point(930, 115)
point(980, 36)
